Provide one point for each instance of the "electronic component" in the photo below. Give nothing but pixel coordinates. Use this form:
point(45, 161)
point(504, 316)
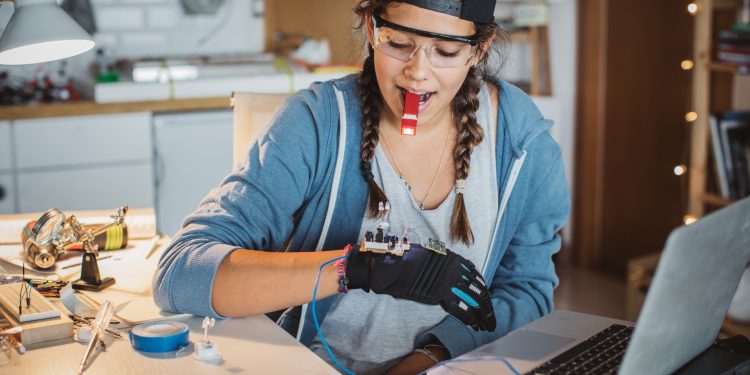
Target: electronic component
point(436, 246)
point(382, 242)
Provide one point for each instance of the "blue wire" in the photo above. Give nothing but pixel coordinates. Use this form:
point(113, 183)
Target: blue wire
point(315, 316)
point(480, 359)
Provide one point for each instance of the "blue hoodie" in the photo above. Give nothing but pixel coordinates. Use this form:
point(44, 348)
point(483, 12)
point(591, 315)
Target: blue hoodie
point(300, 189)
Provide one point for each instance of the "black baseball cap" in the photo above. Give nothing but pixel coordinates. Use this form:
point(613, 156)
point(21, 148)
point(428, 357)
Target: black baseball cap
point(471, 10)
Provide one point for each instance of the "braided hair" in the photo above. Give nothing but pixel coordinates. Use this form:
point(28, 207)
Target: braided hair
point(372, 104)
point(470, 134)
point(464, 106)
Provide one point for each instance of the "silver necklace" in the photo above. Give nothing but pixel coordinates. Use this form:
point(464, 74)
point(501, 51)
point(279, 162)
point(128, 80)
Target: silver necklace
point(401, 175)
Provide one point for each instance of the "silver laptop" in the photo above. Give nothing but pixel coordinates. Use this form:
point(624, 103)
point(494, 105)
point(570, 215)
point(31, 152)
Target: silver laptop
point(685, 306)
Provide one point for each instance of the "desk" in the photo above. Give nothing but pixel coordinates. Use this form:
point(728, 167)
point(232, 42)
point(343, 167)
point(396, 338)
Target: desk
point(252, 345)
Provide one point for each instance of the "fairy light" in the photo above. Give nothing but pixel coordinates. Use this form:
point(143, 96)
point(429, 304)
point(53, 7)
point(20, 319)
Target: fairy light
point(680, 169)
point(686, 65)
point(692, 8)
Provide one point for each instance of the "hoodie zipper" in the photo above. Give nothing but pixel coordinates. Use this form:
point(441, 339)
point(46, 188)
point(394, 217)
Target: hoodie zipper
point(514, 172)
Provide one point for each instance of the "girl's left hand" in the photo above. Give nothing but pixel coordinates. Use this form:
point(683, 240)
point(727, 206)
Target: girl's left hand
point(414, 363)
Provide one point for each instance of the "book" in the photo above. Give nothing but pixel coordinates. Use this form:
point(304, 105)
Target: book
point(733, 133)
point(721, 172)
point(739, 139)
point(730, 136)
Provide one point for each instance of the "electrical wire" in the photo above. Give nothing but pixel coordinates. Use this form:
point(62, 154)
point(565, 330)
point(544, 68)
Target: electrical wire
point(315, 316)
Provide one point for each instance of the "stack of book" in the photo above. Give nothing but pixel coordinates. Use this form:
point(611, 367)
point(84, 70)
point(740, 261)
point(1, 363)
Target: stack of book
point(733, 47)
point(730, 134)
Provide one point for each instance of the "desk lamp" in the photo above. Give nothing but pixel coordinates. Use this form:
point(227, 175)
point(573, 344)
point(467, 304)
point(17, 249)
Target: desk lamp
point(40, 31)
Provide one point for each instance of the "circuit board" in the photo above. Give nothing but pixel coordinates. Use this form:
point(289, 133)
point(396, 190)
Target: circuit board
point(381, 242)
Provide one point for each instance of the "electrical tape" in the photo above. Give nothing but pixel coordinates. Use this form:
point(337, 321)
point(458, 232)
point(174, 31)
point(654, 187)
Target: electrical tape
point(159, 337)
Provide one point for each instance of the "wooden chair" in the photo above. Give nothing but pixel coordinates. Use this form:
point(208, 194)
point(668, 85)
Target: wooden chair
point(251, 114)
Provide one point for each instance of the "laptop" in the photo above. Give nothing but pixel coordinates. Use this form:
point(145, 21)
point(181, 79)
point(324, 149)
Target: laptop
point(687, 301)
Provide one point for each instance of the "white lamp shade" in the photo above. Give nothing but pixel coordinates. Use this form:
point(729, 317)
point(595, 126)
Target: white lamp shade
point(40, 31)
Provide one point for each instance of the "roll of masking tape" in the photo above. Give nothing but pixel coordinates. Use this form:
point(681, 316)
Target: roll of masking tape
point(159, 336)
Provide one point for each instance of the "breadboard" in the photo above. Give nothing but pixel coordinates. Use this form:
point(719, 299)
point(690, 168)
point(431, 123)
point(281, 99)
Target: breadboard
point(54, 326)
point(39, 308)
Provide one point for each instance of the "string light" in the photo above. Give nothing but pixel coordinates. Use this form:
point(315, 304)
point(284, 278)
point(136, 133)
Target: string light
point(692, 8)
point(680, 170)
point(689, 219)
point(688, 64)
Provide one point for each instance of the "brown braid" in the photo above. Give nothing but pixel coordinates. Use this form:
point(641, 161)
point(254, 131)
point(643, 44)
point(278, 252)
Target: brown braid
point(372, 104)
point(470, 134)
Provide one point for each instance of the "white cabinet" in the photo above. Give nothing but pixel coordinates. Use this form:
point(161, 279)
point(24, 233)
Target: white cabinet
point(6, 148)
point(104, 187)
point(96, 162)
point(7, 194)
point(7, 186)
point(194, 153)
point(81, 140)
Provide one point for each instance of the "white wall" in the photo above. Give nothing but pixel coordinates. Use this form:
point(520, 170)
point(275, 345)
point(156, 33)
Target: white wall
point(143, 28)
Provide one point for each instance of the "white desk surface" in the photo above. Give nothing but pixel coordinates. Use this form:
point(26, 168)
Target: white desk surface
point(252, 345)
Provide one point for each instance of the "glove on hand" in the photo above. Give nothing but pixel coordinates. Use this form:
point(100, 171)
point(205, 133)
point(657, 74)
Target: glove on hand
point(425, 276)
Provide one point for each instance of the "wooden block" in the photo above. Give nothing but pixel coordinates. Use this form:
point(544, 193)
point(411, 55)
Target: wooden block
point(36, 330)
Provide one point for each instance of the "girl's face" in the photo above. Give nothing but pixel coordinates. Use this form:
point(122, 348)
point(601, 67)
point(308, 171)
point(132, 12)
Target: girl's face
point(437, 85)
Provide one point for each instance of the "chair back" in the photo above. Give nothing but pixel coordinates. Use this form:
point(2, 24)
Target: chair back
point(251, 113)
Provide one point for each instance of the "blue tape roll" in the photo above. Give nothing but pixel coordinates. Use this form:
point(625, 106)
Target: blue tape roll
point(159, 336)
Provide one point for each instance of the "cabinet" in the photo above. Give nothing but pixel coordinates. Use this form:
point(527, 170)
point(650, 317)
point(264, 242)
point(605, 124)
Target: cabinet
point(83, 162)
point(6, 150)
point(193, 155)
point(7, 184)
point(711, 93)
point(7, 194)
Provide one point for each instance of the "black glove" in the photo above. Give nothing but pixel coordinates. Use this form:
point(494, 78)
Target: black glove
point(425, 276)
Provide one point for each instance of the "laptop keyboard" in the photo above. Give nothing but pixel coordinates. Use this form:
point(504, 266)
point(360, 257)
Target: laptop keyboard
point(599, 354)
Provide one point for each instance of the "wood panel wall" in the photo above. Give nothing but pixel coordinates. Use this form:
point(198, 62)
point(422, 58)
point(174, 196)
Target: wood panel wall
point(330, 19)
point(631, 133)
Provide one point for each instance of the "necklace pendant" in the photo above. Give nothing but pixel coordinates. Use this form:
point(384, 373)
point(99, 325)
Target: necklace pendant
point(421, 206)
point(408, 187)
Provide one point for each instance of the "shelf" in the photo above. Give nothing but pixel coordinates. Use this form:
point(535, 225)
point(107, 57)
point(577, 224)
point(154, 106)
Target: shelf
point(85, 107)
point(541, 76)
point(716, 201)
point(520, 36)
point(726, 4)
point(723, 68)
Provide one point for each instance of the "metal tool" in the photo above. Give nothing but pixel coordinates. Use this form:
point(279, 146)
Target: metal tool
point(100, 324)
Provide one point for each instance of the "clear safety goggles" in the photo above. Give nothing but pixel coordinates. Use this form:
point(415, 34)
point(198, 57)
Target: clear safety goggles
point(400, 42)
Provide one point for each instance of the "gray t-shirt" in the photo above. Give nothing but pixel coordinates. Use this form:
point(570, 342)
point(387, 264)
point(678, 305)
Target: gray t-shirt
point(371, 332)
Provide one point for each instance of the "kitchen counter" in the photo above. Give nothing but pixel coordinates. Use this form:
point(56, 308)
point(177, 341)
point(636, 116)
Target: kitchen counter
point(92, 108)
point(189, 95)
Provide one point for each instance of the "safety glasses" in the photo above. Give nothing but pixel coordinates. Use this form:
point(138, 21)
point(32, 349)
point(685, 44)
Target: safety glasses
point(400, 42)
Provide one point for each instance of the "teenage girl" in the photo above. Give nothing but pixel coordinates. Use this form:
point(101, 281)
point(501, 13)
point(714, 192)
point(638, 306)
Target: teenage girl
point(480, 173)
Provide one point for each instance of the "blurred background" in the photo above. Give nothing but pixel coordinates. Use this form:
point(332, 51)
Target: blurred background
point(649, 100)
